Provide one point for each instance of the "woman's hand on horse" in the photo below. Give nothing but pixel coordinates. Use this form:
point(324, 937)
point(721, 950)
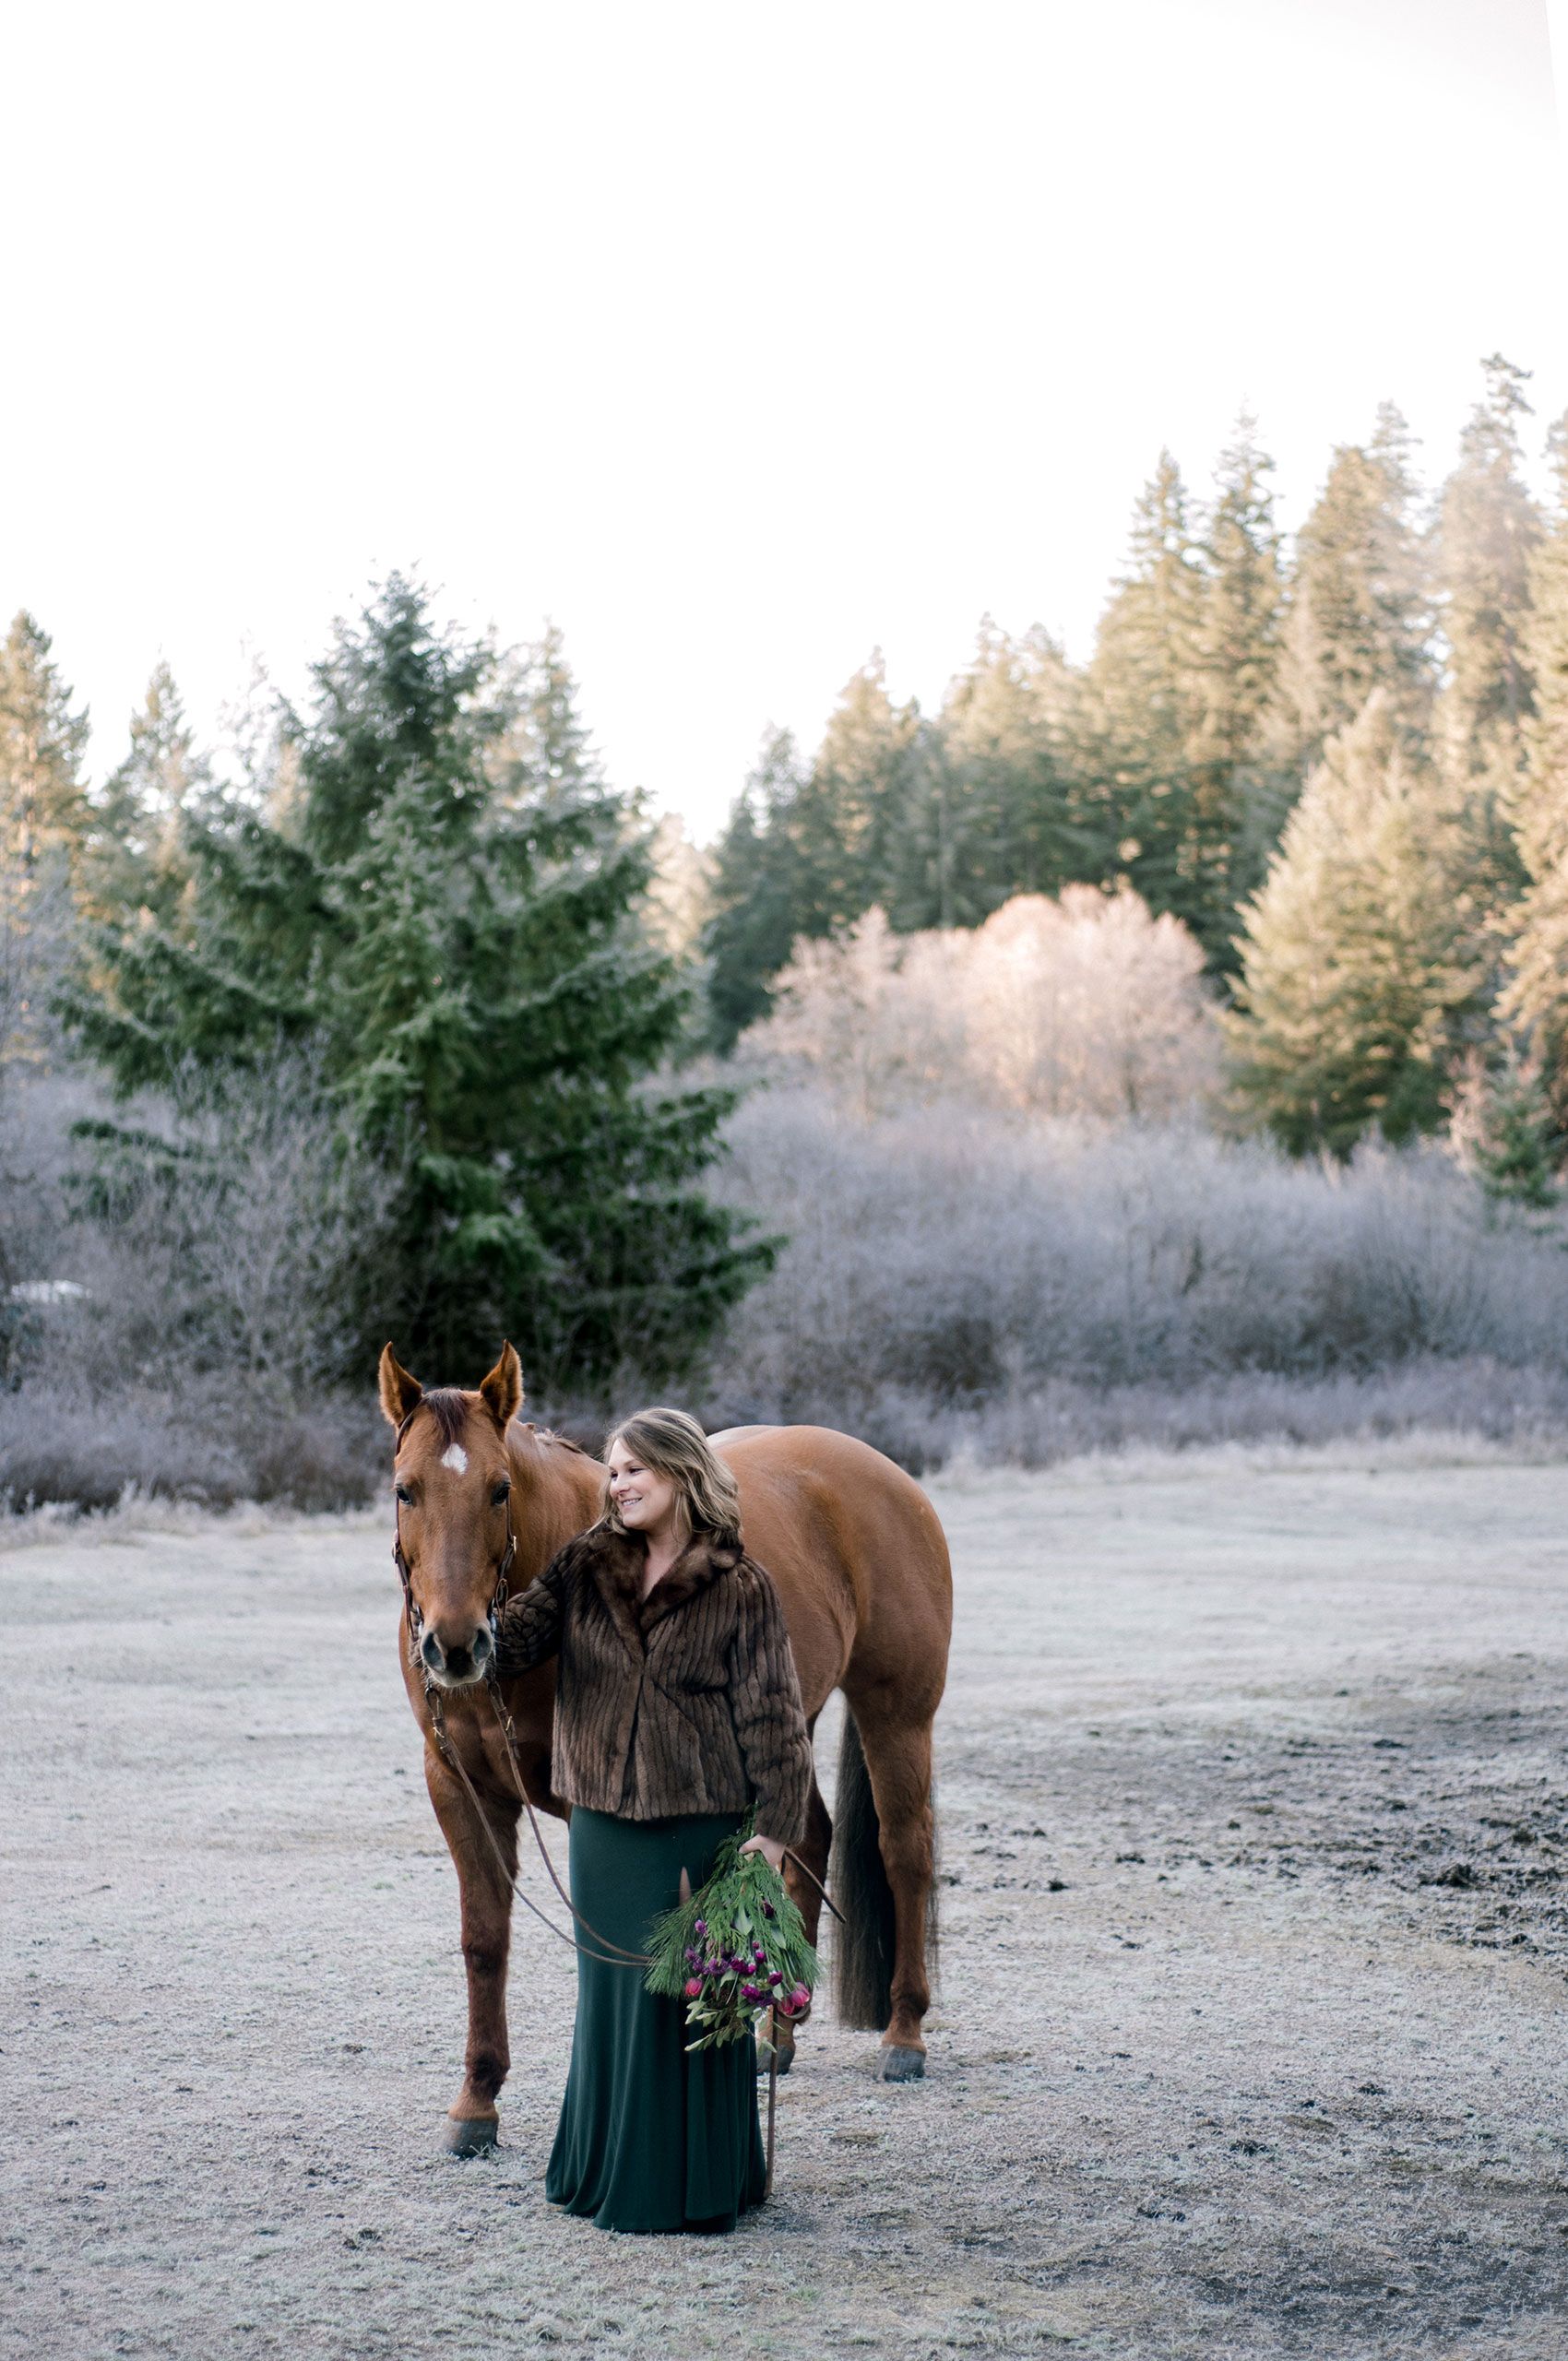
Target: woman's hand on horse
point(770, 1847)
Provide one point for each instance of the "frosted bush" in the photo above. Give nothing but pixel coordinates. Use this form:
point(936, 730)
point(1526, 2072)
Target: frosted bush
point(956, 1257)
point(1082, 1006)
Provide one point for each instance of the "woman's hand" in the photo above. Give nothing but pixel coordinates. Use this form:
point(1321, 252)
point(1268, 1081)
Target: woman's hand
point(770, 1848)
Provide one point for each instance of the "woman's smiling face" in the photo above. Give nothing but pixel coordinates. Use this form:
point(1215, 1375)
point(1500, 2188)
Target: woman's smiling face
point(644, 1503)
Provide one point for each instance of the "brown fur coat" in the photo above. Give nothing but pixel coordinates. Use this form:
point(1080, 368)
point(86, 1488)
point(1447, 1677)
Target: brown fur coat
point(687, 1701)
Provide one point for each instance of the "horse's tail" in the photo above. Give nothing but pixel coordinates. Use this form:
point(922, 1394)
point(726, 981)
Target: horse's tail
point(863, 1944)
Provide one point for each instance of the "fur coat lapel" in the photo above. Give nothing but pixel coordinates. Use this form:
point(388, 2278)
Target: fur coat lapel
point(619, 1560)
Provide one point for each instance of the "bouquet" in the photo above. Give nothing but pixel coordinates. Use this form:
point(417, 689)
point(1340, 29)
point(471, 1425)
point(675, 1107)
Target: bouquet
point(737, 1947)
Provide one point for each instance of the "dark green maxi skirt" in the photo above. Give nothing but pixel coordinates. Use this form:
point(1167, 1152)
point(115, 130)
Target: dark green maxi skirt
point(650, 2137)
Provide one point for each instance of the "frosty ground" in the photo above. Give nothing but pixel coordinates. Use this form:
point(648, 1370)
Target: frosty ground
point(1249, 2031)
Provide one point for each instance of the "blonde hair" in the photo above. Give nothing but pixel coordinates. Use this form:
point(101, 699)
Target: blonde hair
point(673, 1445)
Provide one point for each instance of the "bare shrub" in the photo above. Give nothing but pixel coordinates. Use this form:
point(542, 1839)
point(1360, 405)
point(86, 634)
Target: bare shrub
point(1082, 1006)
point(947, 1262)
point(60, 1445)
point(186, 1292)
point(232, 1232)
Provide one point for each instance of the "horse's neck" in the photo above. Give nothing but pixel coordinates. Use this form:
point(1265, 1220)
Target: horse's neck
point(558, 1493)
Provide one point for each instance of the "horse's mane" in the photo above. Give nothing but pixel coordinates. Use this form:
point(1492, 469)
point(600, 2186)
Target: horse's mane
point(562, 1442)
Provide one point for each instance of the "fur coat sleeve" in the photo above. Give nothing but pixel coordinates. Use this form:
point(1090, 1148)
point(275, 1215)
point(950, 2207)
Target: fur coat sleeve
point(764, 1705)
point(685, 1700)
point(531, 1621)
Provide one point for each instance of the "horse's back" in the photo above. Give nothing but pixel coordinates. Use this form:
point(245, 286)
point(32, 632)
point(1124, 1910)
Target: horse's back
point(848, 1536)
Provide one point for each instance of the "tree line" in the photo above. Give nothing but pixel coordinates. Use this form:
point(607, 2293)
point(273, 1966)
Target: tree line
point(414, 909)
point(1341, 762)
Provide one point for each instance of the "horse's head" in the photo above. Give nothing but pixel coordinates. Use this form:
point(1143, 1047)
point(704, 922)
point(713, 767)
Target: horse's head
point(452, 1477)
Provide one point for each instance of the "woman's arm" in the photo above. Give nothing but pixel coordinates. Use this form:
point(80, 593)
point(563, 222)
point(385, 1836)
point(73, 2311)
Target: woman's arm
point(771, 1723)
point(529, 1627)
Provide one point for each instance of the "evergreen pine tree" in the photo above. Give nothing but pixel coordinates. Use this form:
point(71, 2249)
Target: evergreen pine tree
point(137, 856)
point(1487, 528)
point(1143, 697)
point(755, 893)
point(1358, 616)
point(462, 958)
point(1358, 997)
point(1233, 805)
point(1536, 995)
point(855, 799)
point(45, 818)
point(43, 806)
point(1001, 811)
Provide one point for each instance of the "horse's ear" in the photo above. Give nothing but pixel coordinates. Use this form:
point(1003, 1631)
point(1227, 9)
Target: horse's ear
point(503, 1390)
point(400, 1394)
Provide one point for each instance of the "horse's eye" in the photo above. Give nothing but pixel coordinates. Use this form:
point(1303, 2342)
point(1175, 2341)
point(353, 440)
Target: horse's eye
point(403, 1493)
point(501, 1495)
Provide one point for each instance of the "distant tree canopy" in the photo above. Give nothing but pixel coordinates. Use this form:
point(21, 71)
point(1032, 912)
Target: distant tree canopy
point(437, 895)
point(1409, 673)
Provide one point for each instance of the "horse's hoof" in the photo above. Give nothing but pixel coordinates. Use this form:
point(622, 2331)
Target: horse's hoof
point(470, 2135)
point(900, 2065)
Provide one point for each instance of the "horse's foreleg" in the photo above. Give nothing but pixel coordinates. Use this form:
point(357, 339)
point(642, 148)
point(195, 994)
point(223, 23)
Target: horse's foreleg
point(897, 1753)
point(813, 1849)
point(486, 1899)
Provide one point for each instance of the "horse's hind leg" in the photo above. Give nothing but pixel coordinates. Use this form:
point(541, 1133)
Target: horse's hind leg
point(898, 1758)
point(473, 2118)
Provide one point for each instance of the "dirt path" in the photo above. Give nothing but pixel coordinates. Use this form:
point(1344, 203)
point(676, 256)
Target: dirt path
point(1250, 2038)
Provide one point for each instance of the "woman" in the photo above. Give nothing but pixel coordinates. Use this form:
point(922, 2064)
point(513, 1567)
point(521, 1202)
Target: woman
point(677, 1707)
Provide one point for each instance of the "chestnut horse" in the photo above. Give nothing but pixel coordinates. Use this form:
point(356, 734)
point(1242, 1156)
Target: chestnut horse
point(862, 1567)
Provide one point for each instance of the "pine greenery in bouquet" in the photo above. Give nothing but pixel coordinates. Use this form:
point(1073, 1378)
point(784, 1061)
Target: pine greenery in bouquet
point(737, 1947)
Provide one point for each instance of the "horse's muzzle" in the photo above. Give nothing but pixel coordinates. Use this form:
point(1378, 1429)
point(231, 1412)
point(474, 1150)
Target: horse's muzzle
point(453, 1665)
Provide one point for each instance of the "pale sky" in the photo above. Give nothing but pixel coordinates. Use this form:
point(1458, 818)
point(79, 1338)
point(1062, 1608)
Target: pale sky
point(740, 339)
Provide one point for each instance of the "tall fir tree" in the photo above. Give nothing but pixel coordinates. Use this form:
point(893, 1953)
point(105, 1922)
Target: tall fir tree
point(1487, 531)
point(1143, 697)
point(809, 847)
point(1360, 999)
point(1177, 693)
point(855, 799)
point(997, 807)
point(137, 857)
point(463, 958)
point(754, 893)
point(1359, 614)
point(1535, 998)
point(44, 822)
point(45, 812)
point(1233, 805)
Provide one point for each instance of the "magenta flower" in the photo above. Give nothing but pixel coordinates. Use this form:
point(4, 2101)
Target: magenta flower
point(692, 1988)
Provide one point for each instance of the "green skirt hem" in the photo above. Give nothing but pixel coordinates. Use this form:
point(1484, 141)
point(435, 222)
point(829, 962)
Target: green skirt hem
point(652, 2139)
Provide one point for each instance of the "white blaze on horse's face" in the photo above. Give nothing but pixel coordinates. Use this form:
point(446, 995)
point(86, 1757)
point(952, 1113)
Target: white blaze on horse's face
point(456, 1458)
